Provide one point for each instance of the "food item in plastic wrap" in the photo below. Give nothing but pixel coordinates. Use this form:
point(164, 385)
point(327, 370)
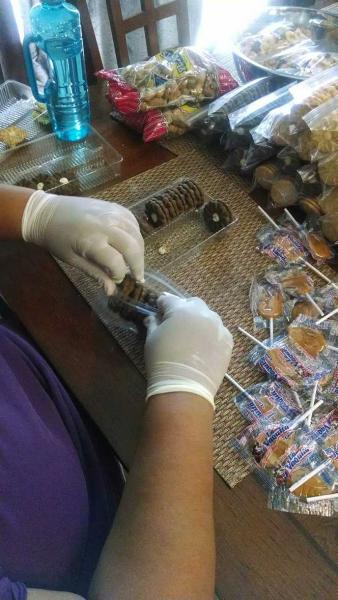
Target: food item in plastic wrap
point(266, 443)
point(329, 226)
point(271, 39)
point(303, 307)
point(328, 202)
point(167, 204)
point(310, 206)
point(328, 298)
point(293, 280)
point(285, 191)
point(290, 365)
point(289, 160)
point(216, 215)
point(170, 78)
point(317, 246)
point(254, 155)
point(328, 169)
point(275, 126)
point(270, 400)
point(302, 60)
point(311, 337)
point(13, 136)
point(325, 433)
point(323, 125)
point(266, 302)
point(242, 121)
point(212, 119)
point(133, 301)
point(312, 93)
point(301, 460)
point(266, 174)
point(282, 245)
point(60, 183)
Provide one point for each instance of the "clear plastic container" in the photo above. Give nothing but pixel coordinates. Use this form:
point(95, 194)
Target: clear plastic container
point(16, 106)
point(186, 233)
point(85, 164)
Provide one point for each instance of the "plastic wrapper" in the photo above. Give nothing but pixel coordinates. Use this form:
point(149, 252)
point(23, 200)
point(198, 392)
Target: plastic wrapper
point(245, 160)
point(270, 400)
point(276, 126)
point(304, 59)
point(272, 39)
point(242, 121)
point(318, 248)
point(328, 298)
point(282, 245)
point(266, 174)
point(291, 365)
point(267, 302)
point(212, 120)
point(328, 169)
point(301, 306)
point(312, 338)
point(328, 202)
point(323, 125)
point(294, 280)
point(289, 158)
point(170, 78)
point(329, 226)
point(311, 93)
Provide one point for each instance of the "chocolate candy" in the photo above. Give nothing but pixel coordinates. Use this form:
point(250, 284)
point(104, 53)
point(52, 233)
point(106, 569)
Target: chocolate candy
point(216, 215)
point(167, 204)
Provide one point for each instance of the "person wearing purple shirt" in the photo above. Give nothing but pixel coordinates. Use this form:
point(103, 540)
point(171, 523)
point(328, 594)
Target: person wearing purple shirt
point(70, 527)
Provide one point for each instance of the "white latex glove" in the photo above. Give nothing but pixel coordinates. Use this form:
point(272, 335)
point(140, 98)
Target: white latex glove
point(189, 350)
point(101, 238)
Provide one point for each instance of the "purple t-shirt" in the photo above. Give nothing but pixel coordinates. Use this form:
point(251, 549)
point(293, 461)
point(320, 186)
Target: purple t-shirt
point(57, 499)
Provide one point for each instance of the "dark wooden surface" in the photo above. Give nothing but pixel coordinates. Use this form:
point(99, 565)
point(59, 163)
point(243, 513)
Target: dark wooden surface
point(261, 554)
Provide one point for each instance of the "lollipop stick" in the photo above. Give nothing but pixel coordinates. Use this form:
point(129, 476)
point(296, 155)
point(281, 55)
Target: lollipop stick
point(305, 415)
point(268, 218)
point(239, 387)
point(309, 475)
point(328, 316)
point(291, 218)
point(333, 348)
point(321, 498)
point(271, 331)
point(313, 399)
point(252, 338)
point(297, 399)
point(311, 300)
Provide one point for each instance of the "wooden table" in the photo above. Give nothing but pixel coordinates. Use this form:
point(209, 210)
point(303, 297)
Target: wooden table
point(261, 554)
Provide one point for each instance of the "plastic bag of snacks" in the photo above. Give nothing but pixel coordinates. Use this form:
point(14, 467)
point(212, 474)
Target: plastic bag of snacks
point(212, 119)
point(329, 226)
point(244, 160)
point(311, 93)
point(323, 125)
point(272, 39)
point(328, 202)
point(302, 60)
point(243, 120)
point(171, 78)
point(275, 126)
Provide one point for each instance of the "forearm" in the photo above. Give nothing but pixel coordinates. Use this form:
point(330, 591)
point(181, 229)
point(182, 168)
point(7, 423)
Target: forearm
point(162, 541)
point(12, 205)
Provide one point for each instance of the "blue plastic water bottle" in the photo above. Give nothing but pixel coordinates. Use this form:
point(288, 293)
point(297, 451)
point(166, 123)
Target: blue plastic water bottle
point(56, 29)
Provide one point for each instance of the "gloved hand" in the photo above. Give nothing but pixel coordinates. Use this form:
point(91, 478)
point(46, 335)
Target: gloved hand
point(188, 350)
point(101, 238)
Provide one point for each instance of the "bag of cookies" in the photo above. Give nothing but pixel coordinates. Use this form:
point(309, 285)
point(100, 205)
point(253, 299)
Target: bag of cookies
point(322, 122)
point(269, 400)
point(212, 119)
point(243, 120)
point(170, 78)
point(311, 93)
point(328, 169)
point(276, 126)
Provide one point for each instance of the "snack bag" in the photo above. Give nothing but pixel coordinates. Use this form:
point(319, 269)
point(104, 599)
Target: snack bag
point(275, 126)
point(271, 401)
point(271, 39)
point(311, 93)
point(329, 226)
point(291, 365)
point(328, 202)
point(170, 78)
point(323, 125)
point(282, 245)
point(327, 169)
point(266, 302)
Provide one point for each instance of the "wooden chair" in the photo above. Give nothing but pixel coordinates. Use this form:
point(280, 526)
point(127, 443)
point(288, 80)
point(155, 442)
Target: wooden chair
point(147, 19)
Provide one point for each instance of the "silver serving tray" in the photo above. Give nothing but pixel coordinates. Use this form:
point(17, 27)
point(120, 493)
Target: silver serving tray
point(249, 69)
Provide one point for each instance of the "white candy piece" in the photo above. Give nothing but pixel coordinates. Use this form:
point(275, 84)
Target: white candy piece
point(64, 180)
point(162, 250)
point(40, 186)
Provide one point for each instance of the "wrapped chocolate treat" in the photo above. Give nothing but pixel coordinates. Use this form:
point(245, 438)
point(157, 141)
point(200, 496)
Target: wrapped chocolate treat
point(270, 400)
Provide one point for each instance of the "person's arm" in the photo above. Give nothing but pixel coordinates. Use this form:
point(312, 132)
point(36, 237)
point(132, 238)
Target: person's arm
point(101, 238)
point(162, 542)
point(12, 205)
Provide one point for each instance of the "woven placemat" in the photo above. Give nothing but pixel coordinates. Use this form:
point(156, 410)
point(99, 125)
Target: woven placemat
point(219, 271)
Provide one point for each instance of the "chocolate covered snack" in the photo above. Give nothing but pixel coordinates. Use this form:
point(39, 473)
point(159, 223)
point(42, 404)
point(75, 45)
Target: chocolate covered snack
point(130, 296)
point(216, 215)
point(167, 204)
